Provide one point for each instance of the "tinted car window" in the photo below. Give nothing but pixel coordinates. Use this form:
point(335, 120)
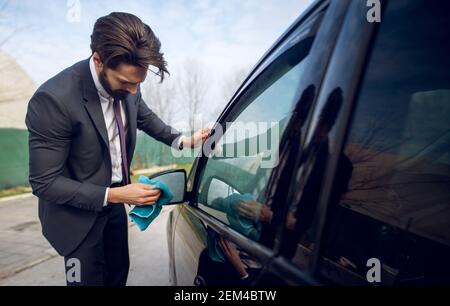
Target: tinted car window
point(233, 182)
point(396, 208)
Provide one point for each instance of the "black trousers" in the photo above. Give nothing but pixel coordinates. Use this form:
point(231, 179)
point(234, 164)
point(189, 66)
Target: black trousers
point(102, 257)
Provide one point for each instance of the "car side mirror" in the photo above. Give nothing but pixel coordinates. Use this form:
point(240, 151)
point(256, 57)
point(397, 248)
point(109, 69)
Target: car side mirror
point(176, 181)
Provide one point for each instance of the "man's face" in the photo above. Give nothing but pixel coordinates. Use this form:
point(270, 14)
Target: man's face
point(122, 80)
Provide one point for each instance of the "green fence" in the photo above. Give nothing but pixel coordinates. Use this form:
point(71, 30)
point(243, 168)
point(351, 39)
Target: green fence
point(14, 156)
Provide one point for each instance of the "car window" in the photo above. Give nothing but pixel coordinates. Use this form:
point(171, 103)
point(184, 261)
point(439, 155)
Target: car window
point(233, 181)
point(393, 208)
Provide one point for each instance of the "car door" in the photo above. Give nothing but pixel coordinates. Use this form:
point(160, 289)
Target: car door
point(388, 215)
point(226, 235)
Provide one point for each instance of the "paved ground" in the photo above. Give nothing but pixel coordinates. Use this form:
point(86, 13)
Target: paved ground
point(26, 258)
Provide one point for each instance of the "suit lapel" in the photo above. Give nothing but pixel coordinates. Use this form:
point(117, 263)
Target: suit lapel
point(92, 103)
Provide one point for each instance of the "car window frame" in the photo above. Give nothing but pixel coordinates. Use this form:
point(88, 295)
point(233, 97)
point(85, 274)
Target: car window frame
point(235, 101)
point(237, 104)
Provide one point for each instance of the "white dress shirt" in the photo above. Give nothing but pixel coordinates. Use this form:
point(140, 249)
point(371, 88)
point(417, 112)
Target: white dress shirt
point(106, 101)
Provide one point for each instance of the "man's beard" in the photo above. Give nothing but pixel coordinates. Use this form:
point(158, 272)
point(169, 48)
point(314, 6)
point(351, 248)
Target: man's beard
point(116, 94)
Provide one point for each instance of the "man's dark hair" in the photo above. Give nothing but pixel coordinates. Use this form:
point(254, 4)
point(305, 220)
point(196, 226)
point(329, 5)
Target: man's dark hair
point(124, 38)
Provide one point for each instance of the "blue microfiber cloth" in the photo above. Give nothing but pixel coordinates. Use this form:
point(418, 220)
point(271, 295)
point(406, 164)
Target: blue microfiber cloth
point(144, 215)
point(249, 228)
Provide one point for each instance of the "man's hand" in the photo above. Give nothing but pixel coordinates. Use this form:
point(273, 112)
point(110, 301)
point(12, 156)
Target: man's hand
point(232, 255)
point(197, 139)
point(135, 194)
point(255, 211)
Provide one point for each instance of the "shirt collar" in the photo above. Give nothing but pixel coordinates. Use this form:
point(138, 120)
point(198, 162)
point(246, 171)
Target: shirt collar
point(97, 83)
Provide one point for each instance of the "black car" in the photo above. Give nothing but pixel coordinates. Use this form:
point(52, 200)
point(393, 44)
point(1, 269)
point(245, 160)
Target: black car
point(340, 170)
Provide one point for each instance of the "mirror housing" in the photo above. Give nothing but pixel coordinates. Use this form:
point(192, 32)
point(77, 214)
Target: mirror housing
point(176, 181)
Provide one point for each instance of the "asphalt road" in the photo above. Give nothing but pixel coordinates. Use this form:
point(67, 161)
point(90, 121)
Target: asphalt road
point(26, 258)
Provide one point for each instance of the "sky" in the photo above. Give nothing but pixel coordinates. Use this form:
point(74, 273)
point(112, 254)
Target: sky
point(224, 35)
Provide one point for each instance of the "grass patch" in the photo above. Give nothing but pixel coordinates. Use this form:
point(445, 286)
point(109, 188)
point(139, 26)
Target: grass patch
point(14, 191)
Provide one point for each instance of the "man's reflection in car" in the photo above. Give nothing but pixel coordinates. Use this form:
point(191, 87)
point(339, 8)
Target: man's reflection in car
point(221, 263)
point(255, 211)
point(276, 195)
point(301, 215)
point(247, 223)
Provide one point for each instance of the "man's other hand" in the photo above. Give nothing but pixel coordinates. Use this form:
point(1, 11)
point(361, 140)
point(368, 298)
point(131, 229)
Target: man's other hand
point(197, 139)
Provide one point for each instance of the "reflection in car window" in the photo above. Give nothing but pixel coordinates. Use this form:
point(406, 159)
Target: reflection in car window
point(397, 206)
point(233, 183)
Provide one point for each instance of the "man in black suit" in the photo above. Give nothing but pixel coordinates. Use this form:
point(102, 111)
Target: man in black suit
point(82, 133)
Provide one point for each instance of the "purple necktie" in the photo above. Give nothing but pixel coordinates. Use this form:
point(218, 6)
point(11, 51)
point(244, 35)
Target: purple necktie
point(123, 148)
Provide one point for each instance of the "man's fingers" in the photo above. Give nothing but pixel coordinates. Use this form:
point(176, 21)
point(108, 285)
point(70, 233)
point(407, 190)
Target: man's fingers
point(150, 200)
point(241, 209)
point(145, 186)
point(250, 204)
point(151, 193)
point(243, 212)
point(149, 197)
point(224, 247)
point(227, 246)
point(202, 134)
point(245, 207)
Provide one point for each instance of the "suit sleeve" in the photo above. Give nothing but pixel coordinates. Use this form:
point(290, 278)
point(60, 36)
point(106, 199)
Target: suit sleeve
point(50, 132)
point(153, 126)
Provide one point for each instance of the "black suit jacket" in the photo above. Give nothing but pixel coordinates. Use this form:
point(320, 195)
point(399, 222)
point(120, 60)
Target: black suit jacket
point(70, 163)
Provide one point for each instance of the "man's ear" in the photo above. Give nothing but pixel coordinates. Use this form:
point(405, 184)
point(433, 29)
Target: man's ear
point(97, 61)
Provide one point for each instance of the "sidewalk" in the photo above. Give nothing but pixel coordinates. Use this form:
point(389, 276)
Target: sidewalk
point(21, 243)
point(26, 258)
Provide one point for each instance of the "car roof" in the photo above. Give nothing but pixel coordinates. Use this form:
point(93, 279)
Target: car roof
point(303, 16)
